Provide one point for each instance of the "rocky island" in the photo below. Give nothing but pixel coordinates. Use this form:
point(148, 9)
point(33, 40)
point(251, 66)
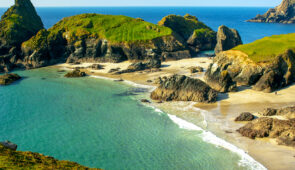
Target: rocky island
point(284, 13)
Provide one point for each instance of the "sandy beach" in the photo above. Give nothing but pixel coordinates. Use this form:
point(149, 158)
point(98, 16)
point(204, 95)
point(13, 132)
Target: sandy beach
point(219, 116)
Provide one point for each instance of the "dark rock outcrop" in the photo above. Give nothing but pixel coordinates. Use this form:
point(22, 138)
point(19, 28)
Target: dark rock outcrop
point(284, 13)
point(246, 116)
point(75, 73)
point(196, 69)
point(182, 88)
point(7, 79)
point(237, 66)
point(96, 67)
point(227, 39)
point(196, 34)
point(140, 66)
point(9, 145)
point(282, 130)
point(287, 112)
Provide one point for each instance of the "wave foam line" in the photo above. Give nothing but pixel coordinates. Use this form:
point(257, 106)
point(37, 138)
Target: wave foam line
point(246, 160)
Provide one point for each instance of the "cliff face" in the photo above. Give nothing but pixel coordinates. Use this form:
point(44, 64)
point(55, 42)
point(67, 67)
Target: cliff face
point(284, 13)
point(18, 24)
point(195, 33)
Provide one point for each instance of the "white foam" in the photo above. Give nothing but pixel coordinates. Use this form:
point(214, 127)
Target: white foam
point(246, 160)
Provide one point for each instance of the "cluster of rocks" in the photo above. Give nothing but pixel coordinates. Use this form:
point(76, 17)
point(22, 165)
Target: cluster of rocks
point(153, 63)
point(8, 79)
point(233, 68)
point(283, 130)
point(75, 73)
point(284, 13)
point(182, 88)
point(196, 69)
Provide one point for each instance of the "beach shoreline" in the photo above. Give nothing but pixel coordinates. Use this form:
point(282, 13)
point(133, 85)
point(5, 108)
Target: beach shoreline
point(219, 116)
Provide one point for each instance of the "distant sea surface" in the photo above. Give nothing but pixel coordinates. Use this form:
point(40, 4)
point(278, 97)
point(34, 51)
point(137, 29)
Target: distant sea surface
point(233, 17)
point(101, 123)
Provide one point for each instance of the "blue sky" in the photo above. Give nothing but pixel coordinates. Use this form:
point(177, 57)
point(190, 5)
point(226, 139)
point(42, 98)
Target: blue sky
point(265, 3)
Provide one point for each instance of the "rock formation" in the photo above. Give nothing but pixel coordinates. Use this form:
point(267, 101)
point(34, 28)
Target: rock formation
point(182, 88)
point(284, 13)
point(286, 112)
point(7, 79)
point(195, 33)
point(12, 159)
point(240, 69)
point(227, 39)
point(153, 63)
point(282, 130)
point(246, 116)
point(75, 73)
point(9, 145)
point(18, 24)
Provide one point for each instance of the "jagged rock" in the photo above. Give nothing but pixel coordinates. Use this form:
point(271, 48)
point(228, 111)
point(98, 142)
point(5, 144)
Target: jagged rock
point(266, 77)
point(113, 70)
point(182, 88)
point(196, 69)
point(9, 145)
point(96, 67)
point(140, 66)
point(75, 73)
point(227, 39)
point(7, 79)
point(284, 13)
point(246, 116)
point(287, 112)
point(269, 112)
point(282, 130)
point(198, 36)
point(219, 80)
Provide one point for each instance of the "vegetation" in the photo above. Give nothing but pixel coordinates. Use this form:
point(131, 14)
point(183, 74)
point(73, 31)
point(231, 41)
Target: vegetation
point(110, 27)
point(205, 33)
point(266, 49)
point(184, 26)
point(10, 159)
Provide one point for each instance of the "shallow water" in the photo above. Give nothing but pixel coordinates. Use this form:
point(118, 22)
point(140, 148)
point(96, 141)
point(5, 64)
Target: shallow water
point(100, 123)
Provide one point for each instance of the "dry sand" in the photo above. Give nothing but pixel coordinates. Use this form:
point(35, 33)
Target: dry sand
point(221, 114)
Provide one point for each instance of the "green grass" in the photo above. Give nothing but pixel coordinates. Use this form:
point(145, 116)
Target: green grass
point(110, 27)
point(15, 160)
point(204, 33)
point(266, 49)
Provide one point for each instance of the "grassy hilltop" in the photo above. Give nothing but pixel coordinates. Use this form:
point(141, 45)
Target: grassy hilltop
point(113, 28)
point(266, 49)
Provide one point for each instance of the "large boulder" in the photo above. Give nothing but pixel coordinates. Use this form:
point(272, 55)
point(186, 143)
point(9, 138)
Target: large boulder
point(282, 130)
point(182, 88)
point(9, 145)
point(284, 13)
point(287, 112)
point(75, 73)
point(227, 39)
point(8, 79)
point(245, 116)
point(153, 63)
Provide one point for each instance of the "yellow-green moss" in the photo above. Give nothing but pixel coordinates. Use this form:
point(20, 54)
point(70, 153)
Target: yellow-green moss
point(15, 160)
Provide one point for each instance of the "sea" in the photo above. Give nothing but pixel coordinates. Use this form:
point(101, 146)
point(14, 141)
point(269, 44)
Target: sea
point(101, 123)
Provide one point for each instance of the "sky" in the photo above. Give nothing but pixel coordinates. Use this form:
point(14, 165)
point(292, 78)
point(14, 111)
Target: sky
point(52, 3)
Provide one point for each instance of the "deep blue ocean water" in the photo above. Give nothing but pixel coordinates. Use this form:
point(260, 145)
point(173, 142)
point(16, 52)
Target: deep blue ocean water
point(233, 17)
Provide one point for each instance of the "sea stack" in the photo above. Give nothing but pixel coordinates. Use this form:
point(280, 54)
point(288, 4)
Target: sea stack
point(284, 13)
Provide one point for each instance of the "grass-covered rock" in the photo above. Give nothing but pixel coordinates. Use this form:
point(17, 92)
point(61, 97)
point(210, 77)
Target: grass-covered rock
point(17, 160)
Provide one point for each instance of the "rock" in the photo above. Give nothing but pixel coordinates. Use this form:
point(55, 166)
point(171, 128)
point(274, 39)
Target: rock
point(196, 69)
point(246, 116)
point(119, 80)
point(284, 13)
point(182, 88)
point(114, 70)
point(75, 73)
point(145, 101)
point(219, 80)
point(149, 81)
point(227, 39)
point(282, 130)
point(233, 66)
point(96, 67)
point(7, 79)
point(9, 145)
point(197, 35)
point(140, 66)
point(269, 112)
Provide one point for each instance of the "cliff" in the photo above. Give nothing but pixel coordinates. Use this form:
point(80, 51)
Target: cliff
point(267, 65)
point(11, 159)
point(284, 13)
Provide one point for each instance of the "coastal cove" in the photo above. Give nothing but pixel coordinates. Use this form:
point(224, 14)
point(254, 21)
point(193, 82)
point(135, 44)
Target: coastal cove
point(71, 120)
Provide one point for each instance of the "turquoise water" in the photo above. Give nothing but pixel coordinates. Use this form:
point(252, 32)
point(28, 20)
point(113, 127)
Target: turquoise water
point(101, 123)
